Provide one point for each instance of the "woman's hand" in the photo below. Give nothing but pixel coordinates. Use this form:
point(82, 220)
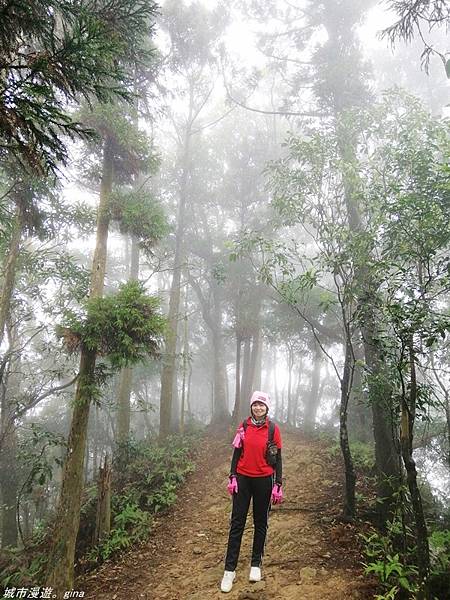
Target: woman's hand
point(232, 486)
point(277, 494)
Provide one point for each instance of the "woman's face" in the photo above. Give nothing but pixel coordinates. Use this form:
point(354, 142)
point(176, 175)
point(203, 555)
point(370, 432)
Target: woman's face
point(259, 410)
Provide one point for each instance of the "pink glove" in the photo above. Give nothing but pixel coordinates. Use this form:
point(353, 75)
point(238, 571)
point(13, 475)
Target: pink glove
point(232, 486)
point(239, 438)
point(277, 494)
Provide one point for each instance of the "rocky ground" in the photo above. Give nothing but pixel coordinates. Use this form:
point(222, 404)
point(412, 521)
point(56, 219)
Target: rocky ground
point(310, 554)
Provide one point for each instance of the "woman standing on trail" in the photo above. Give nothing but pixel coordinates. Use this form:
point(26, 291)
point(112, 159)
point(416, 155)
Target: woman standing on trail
point(256, 472)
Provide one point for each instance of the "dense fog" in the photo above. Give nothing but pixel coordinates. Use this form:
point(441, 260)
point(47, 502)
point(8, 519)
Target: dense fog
point(203, 199)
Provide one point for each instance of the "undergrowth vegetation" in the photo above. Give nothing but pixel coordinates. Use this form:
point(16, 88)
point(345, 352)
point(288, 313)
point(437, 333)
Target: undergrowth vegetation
point(146, 484)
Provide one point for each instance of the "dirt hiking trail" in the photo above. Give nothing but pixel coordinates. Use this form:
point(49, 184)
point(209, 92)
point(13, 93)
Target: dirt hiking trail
point(309, 554)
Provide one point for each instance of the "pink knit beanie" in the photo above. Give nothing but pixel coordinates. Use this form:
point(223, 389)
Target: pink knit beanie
point(260, 397)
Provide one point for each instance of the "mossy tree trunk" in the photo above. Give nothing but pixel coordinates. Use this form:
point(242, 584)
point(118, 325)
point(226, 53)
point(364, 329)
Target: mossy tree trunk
point(60, 569)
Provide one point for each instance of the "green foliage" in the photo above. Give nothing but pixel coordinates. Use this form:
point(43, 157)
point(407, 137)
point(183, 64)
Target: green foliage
point(147, 486)
point(36, 456)
point(131, 525)
point(123, 327)
point(154, 472)
point(53, 52)
point(439, 580)
point(440, 550)
point(140, 215)
point(393, 572)
point(17, 571)
point(131, 147)
point(363, 455)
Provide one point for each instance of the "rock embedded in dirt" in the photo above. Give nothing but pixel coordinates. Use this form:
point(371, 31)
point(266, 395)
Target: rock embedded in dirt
point(307, 573)
point(197, 550)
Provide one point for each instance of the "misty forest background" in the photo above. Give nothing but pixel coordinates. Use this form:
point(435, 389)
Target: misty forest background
point(199, 199)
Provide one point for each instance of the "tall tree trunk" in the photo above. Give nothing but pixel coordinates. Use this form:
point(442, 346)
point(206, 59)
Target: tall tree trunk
point(212, 316)
point(9, 481)
point(9, 276)
point(237, 392)
point(185, 362)
point(406, 440)
point(290, 404)
point(253, 361)
point(95, 442)
point(350, 477)
point(169, 369)
point(8, 435)
point(258, 362)
point(341, 38)
point(297, 393)
point(245, 383)
point(386, 452)
point(447, 416)
point(312, 401)
point(221, 414)
point(61, 555)
point(126, 374)
point(278, 412)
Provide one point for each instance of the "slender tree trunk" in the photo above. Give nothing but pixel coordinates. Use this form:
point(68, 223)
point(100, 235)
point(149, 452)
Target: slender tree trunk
point(237, 392)
point(349, 509)
point(258, 362)
point(254, 358)
point(406, 439)
point(86, 460)
point(221, 414)
point(297, 393)
point(103, 516)
point(126, 374)
point(278, 412)
point(95, 442)
point(290, 407)
point(341, 35)
point(386, 452)
point(10, 269)
point(447, 416)
point(61, 555)
point(185, 362)
point(312, 402)
point(9, 486)
point(169, 369)
point(8, 434)
point(245, 383)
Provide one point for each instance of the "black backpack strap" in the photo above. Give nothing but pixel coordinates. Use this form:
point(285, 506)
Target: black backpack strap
point(244, 425)
point(271, 430)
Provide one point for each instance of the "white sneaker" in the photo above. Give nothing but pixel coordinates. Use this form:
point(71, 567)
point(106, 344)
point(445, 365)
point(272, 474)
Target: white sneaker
point(255, 574)
point(227, 581)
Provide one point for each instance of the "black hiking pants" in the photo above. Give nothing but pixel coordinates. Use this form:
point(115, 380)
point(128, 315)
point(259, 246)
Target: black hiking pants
point(260, 489)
